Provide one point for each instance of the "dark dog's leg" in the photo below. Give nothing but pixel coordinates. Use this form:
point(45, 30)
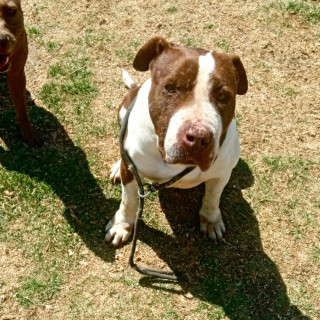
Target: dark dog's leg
point(17, 86)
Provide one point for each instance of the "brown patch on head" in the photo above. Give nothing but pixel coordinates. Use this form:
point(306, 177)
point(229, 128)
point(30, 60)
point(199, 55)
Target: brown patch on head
point(173, 75)
point(229, 78)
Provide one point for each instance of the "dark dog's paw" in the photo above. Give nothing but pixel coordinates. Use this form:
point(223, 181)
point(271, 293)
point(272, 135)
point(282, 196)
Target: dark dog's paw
point(33, 138)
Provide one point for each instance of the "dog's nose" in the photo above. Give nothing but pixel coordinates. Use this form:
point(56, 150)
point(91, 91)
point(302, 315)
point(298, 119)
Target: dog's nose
point(4, 42)
point(196, 138)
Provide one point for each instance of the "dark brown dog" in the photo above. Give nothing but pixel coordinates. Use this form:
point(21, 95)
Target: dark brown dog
point(13, 56)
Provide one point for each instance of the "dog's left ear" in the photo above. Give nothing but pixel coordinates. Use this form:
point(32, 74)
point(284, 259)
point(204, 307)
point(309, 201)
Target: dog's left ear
point(241, 74)
point(149, 51)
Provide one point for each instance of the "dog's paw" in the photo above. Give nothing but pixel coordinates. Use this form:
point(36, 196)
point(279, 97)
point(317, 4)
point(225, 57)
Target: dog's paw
point(33, 138)
point(118, 233)
point(114, 173)
point(212, 226)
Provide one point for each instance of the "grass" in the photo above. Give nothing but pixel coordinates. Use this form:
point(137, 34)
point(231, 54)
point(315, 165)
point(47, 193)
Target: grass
point(309, 10)
point(34, 31)
point(70, 81)
point(223, 44)
point(125, 54)
point(35, 291)
point(52, 46)
point(56, 200)
point(172, 9)
point(191, 41)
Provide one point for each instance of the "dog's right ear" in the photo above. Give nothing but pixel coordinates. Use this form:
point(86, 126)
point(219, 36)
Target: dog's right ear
point(150, 50)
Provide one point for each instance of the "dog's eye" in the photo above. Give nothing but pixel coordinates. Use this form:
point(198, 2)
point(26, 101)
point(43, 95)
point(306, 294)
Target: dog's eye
point(170, 88)
point(222, 97)
point(11, 10)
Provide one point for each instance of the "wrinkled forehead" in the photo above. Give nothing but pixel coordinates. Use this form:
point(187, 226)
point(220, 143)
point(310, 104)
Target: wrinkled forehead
point(9, 2)
point(187, 64)
point(178, 62)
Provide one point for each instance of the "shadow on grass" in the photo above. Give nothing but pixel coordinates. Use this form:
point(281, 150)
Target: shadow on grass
point(61, 165)
point(235, 274)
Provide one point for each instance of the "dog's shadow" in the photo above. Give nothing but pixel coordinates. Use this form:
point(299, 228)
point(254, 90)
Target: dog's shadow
point(61, 165)
point(235, 274)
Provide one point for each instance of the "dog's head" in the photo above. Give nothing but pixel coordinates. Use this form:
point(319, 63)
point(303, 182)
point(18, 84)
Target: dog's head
point(11, 25)
point(192, 98)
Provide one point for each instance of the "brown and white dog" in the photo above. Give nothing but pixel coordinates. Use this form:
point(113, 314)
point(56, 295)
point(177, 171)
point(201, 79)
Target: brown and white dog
point(183, 116)
point(13, 56)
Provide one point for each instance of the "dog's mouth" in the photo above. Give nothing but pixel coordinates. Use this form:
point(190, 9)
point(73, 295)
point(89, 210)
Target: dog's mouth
point(4, 62)
point(200, 160)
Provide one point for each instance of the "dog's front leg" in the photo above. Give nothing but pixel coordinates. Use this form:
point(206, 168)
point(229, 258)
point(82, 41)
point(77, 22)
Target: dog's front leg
point(119, 228)
point(211, 222)
point(17, 88)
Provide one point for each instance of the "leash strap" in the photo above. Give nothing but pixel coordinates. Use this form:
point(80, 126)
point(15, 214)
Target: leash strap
point(164, 274)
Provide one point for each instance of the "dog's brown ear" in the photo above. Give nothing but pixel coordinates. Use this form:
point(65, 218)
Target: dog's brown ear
point(241, 73)
point(150, 50)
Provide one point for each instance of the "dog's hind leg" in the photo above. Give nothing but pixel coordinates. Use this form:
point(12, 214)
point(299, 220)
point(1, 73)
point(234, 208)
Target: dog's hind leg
point(114, 173)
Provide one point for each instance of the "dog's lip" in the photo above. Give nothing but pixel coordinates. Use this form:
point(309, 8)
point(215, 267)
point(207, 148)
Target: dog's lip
point(4, 62)
point(203, 164)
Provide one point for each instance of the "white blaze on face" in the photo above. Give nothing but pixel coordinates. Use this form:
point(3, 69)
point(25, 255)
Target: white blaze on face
point(200, 110)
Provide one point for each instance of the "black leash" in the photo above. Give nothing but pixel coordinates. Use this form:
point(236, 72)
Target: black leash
point(151, 188)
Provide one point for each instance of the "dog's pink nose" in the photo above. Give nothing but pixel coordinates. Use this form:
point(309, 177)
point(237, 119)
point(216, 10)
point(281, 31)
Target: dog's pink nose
point(195, 138)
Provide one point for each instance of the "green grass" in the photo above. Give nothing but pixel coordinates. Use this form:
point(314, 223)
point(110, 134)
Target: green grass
point(191, 41)
point(52, 46)
point(213, 312)
point(35, 291)
point(71, 81)
point(315, 253)
point(208, 26)
point(299, 166)
point(171, 8)
point(33, 31)
point(170, 314)
point(309, 10)
point(126, 54)
point(223, 44)
point(263, 65)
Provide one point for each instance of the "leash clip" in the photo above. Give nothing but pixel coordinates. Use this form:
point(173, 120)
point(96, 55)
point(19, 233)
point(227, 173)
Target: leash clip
point(155, 186)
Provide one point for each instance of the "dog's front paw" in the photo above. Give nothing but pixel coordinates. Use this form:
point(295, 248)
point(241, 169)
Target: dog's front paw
point(115, 172)
point(33, 138)
point(213, 225)
point(118, 233)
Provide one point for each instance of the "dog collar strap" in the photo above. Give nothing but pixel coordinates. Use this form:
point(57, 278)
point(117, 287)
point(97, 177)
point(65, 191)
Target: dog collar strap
point(155, 186)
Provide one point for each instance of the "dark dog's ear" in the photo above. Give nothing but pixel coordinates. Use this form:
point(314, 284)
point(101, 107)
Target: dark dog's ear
point(241, 74)
point(150, 50)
